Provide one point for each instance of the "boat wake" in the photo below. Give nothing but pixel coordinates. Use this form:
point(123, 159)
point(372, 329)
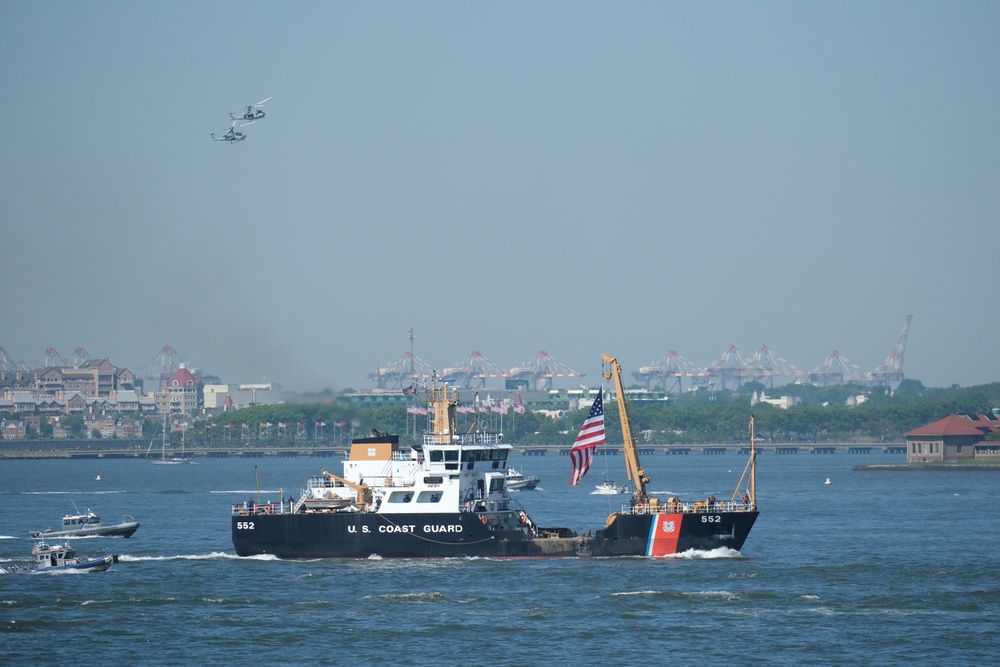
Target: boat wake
point(48, 573)
point(65, 493)
point(694, 554)
point(215, 555)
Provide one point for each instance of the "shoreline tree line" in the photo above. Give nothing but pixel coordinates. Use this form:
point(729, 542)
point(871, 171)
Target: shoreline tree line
point(820, 414)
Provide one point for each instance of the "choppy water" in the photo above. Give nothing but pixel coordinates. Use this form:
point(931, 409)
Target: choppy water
point(887, 568)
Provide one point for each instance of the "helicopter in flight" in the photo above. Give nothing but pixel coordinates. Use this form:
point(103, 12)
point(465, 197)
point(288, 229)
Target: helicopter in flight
point(232, 134)
point(252, 113)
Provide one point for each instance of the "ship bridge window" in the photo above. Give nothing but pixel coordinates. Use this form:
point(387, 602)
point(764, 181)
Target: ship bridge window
point(400, 497)
point(436, 456)
point(429, 497)
point(469, 456)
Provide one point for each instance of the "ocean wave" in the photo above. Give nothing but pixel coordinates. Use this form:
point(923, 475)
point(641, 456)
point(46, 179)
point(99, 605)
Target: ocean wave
point(628, 593)
point(715, 595)
point(409, 597)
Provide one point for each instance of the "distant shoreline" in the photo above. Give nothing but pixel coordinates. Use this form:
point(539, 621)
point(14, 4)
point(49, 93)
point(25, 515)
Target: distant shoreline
point(929, 466)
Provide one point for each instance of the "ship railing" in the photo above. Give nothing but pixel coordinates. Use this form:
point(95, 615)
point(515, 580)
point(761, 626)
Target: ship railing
point(480, 504)
point(466, 439)
point(480, 439)
point(323, 483)
point(697, 507)
point(396, 482)
point(252, 508)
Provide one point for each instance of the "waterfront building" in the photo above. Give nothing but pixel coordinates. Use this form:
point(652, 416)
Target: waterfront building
point(94, 378)
point(955, 438)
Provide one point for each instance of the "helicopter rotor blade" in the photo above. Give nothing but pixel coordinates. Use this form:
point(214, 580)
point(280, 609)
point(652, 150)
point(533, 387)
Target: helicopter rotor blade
point(261, 102)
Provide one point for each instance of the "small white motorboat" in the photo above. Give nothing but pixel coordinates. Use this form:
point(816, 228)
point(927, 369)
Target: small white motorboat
point(609, 488)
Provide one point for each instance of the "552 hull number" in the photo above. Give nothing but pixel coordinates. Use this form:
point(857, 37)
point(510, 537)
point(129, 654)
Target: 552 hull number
point(244, 525)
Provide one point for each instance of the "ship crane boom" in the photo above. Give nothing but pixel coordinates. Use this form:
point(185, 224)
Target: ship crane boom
point(636, 473)
point(364, 497)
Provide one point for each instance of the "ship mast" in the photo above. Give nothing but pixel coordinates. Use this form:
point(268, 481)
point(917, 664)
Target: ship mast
point(751, 470)
point(753, 463)
point(444, 399)
point(632, 464)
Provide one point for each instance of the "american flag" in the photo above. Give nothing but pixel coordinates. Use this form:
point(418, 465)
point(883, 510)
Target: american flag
point(591, 435)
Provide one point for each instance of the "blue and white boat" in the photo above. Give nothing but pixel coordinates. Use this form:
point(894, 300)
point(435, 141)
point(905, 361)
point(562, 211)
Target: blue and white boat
point(62, 558)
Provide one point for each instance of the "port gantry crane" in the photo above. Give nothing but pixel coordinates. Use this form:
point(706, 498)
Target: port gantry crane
point(891, 369)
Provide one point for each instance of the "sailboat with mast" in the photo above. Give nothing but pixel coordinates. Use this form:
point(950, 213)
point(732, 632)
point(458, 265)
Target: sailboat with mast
point(164, 459)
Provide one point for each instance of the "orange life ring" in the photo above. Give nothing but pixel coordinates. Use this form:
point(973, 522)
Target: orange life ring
point(523, 517)
point(485, 519)
point(267, 509)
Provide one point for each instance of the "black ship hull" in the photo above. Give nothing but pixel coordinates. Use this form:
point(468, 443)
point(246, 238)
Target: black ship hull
point(466, 534)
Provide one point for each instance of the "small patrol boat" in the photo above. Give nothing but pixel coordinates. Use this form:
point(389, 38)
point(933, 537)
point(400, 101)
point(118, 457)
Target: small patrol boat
point(62, 558)
point(518, 481)
point(447, 496)
point(88, 524)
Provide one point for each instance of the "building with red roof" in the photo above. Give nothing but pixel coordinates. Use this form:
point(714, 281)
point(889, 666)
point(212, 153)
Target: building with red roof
point(183, 392)
point(954, 438)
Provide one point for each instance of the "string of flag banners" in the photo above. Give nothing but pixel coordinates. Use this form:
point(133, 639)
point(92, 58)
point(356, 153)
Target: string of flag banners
point(281, 425)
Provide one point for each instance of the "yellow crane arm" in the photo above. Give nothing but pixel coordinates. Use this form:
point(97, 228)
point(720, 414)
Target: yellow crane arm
point(632, 464)
point(364, 492)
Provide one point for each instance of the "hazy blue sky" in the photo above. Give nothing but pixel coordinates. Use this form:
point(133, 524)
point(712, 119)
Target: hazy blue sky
point(573, 177)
